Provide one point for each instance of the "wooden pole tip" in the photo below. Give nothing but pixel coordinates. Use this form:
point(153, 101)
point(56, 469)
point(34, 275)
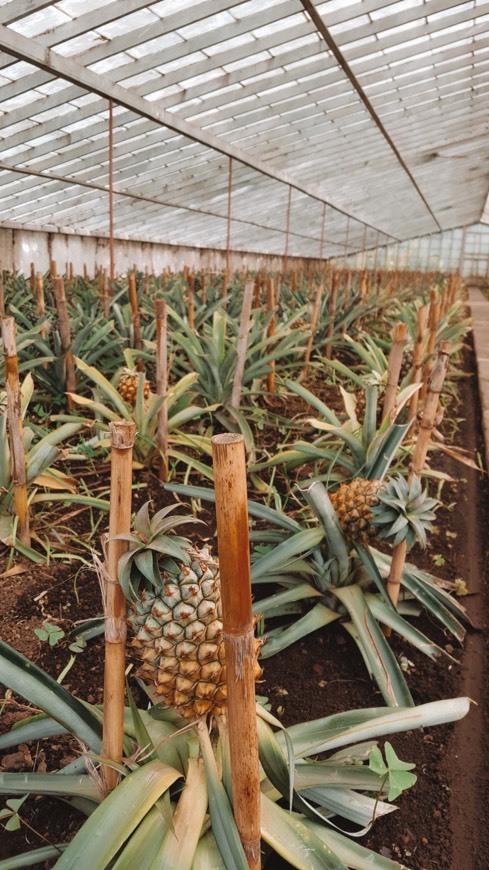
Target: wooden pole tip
point(227, 438)
point(122, 434)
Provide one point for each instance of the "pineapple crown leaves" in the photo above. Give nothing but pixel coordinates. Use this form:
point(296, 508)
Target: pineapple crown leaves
point(404, 512)
point(154, 548)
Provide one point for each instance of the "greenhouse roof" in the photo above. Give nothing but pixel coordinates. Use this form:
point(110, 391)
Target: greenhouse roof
point(350, 123)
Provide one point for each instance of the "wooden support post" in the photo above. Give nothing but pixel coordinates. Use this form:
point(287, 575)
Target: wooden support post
point(271, 331)
point(399, 338)
point(53, 270)
point(234, 559)
point(122, 434)
point(419, 458)
point(419, 344)
point(136, 319)
point(244, 328)
point(162, 386)
point(15, 431)
point(64, 327)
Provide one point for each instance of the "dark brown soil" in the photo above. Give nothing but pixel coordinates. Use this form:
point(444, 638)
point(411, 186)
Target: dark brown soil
point(441, 823)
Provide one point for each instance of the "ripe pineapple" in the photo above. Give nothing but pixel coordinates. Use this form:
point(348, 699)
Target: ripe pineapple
point(175, 597)
point(128, 386)
point(395, 510)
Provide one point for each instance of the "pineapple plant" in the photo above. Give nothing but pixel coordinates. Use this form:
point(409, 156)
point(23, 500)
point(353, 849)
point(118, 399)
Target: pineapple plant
point(175, 609)
point(127, 386)
point(394, 509)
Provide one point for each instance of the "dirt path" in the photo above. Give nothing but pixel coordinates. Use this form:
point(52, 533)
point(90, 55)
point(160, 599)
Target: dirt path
point(468, 758)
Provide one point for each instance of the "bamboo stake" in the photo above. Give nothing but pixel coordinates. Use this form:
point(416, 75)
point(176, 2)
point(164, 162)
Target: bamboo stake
point(15, 430)
point(122, 434)
point(239, 644)
point(64, 326)
point(258, 285)
point(270, 295)
point(314, 320)
point(203, 288)
point(418, 461)
point(333, 293)
point(162, 386)
point(41, 307)
point(244, 328)
point(191, 300)
point(136, 318)
point(433, 320)
point(53, 270)
point(32, 279)
point(105, 295)
point(399, 338)
point(419, 343)
point(2, 295)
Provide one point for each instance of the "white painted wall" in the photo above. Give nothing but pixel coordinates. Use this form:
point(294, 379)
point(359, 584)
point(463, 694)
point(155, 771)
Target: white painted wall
point(19, 248)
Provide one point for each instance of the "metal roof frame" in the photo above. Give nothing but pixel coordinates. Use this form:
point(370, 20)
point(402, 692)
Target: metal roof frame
point(376, 108)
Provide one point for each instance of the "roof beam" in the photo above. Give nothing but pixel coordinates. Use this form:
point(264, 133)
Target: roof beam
point(30, 51)
point(315, 17)
point(28, 197)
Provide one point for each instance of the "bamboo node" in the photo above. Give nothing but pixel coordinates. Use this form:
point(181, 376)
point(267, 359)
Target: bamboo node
point(115, 629)
point(241, 650)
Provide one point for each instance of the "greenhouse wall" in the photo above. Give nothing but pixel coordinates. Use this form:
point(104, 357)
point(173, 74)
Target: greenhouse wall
point(20, 248)
point(463, 249)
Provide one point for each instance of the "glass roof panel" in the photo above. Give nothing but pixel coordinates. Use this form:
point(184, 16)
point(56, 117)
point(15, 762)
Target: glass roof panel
point(255, 80)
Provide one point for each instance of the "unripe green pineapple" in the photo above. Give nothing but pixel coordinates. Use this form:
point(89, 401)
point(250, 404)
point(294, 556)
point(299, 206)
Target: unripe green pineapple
point(175, 609)
point(393, 509)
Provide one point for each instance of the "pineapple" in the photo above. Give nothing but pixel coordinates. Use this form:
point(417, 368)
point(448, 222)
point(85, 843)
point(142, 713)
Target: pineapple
point(175, 609)
point(394, 509)
point(299, 323)
point(128, 386)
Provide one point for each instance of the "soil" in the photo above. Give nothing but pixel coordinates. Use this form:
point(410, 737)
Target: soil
point(441, 823)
